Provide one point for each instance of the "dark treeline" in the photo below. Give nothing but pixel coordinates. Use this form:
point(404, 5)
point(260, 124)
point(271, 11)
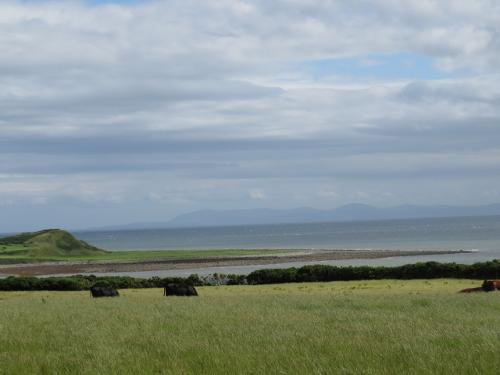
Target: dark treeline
point(428, 270)
point(80, 282)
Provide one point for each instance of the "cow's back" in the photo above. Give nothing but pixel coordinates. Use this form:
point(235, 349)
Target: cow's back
point(180, 290)
point(472, 290)
point(491, 285)
point(103, 291)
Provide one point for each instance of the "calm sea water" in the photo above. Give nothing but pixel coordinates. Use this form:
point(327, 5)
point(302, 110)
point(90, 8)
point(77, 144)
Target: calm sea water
point(481, 234)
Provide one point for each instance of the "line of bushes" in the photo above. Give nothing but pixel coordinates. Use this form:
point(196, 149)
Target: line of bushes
point(80, 282)
point(427, 270)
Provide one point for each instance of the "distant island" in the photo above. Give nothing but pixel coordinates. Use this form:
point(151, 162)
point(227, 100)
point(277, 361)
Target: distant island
point(350, 212)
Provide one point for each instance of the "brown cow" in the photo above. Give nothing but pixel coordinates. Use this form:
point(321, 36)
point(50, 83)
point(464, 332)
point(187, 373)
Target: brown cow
point(491, 285)
point(472, 290)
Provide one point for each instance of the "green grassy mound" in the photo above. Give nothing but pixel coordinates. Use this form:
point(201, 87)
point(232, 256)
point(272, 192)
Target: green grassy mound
point(49, 242)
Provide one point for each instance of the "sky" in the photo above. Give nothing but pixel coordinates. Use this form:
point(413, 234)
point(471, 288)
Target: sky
point(114, 112)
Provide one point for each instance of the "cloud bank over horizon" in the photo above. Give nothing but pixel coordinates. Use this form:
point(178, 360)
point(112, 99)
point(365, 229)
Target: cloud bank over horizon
point(123, 111)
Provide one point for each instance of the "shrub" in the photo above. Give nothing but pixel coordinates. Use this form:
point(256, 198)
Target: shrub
point(426, 270)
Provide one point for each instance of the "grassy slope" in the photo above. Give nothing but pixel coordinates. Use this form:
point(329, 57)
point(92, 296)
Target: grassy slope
point(44, 244)
point(10, 254)
point(376, 327)
point(62, 243)
point(59, 245)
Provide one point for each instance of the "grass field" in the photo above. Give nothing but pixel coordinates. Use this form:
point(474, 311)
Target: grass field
point(375, 327)
point(14, 254)
point(58, 245)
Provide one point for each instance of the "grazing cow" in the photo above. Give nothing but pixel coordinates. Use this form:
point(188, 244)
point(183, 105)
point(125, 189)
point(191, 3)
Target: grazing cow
point(179, 290)
point(103, 291)
point(472, 290)
point(491, 285)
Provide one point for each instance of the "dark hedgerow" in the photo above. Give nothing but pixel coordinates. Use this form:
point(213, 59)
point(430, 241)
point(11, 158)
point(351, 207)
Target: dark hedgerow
point(427, 270)
point(84, 282)
point(310, 273)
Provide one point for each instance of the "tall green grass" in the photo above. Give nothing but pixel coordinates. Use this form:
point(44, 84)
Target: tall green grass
point(373, 327)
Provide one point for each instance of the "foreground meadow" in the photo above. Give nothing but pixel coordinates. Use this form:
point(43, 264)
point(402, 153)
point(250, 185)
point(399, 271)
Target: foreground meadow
point(372, 327)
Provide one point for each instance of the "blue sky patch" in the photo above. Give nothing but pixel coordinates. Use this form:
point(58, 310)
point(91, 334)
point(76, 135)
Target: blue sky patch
point(401, 65)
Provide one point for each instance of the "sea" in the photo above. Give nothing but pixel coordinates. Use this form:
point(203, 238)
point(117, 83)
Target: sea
point(478, 235)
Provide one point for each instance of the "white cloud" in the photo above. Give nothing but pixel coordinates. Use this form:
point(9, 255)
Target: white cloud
point(210, 99)
point(257, 194)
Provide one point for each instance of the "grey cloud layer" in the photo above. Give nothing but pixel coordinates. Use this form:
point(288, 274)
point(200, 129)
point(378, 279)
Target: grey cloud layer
point(215, 95)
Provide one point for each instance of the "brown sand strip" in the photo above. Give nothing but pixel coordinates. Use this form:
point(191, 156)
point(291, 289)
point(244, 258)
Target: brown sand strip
point(39, 269)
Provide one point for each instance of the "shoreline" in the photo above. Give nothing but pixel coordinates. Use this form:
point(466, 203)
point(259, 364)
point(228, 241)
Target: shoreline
point(299, 255)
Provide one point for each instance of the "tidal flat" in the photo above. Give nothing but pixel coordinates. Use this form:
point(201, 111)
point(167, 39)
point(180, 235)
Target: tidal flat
point(140, 261)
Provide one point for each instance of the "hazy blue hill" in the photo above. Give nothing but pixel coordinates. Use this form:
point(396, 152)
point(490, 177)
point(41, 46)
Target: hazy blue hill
point(243, 217)
point(349, 212)
point(355, 211)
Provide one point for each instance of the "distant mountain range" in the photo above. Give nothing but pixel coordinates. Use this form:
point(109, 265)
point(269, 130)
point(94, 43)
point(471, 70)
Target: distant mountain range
point(350, 212)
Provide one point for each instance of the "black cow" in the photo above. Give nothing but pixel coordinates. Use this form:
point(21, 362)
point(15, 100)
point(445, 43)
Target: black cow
point(179, 290)
point(103, 291)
